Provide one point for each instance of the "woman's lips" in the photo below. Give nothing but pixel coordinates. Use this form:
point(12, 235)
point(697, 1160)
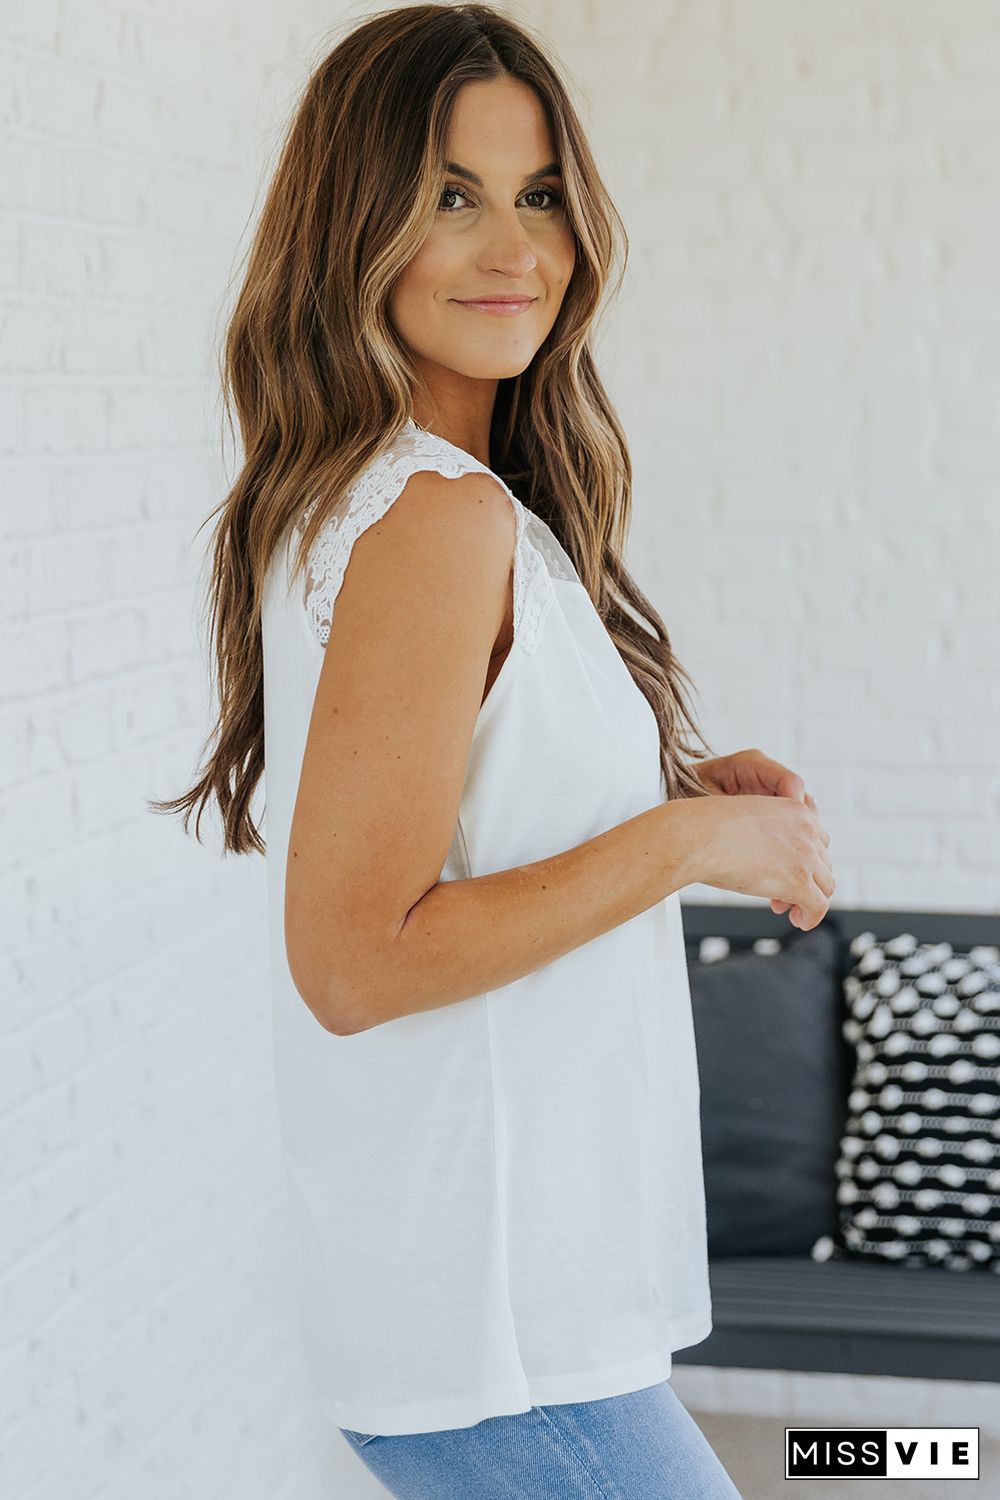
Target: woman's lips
point(499, 309)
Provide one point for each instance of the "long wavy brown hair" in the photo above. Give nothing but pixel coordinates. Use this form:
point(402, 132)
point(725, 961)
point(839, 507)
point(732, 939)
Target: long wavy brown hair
point(320, 380)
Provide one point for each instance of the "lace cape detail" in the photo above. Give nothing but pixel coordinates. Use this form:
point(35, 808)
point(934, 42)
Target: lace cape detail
point(538, 556)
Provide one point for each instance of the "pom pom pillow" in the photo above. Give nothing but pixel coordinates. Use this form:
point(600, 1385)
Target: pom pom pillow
point(918, 1171)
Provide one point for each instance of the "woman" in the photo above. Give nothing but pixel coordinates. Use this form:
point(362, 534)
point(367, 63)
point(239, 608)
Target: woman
point(480, 803)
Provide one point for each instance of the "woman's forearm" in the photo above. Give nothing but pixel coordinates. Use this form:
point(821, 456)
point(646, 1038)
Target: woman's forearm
point(465, 937)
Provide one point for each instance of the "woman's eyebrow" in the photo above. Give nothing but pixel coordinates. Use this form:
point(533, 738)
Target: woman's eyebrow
point(552, 170)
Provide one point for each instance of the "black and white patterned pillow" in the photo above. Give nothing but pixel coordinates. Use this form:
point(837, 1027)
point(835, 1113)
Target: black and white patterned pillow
point(919, 1165)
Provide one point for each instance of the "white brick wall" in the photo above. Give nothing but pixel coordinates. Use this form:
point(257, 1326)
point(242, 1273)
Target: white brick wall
point(807, 361)
point(806, 358)
point(148, 1338)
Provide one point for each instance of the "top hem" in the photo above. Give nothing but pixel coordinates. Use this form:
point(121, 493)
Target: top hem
point(515, 1397)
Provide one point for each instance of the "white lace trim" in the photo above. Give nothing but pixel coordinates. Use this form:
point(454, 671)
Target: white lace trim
point(538, 556)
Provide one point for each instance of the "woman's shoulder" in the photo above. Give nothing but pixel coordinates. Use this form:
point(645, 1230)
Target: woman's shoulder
point(370, 495)
point(409, 451)
point(413, 449)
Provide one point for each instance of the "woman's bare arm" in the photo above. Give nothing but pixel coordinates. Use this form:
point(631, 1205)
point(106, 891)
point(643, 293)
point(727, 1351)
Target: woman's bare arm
point(467, 936)
point(371, 932)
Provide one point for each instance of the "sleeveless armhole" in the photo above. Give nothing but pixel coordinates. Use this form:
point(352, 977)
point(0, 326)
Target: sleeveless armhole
point(370, 497)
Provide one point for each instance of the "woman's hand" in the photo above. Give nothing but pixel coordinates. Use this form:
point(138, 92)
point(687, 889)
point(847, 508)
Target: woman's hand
point(752, 773)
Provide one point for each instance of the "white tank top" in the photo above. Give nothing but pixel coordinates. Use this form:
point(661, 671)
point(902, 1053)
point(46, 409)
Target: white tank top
point(500, 1201)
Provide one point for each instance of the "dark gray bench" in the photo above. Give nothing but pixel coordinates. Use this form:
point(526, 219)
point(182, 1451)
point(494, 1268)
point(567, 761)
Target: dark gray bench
point(790, 1312)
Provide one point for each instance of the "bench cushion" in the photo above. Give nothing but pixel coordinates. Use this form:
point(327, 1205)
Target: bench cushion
point(867, 1318)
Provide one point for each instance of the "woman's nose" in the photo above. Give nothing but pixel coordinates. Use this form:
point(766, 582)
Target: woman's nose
point(508, 248)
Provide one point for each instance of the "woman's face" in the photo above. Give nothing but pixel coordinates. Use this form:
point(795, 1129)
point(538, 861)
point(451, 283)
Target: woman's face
point(502, 235)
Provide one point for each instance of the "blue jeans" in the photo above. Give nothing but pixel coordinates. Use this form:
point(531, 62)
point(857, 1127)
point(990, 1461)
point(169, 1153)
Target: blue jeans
point(644, 1445)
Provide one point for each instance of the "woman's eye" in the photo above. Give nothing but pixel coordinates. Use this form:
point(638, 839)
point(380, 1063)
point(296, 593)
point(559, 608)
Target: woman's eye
point(553, 195)
point(451, 190)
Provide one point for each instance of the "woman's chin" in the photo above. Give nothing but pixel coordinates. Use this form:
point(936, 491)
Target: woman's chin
point(502, 367)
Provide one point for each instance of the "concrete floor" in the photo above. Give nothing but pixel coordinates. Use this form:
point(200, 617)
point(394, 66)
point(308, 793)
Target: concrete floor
point(753, 1450)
